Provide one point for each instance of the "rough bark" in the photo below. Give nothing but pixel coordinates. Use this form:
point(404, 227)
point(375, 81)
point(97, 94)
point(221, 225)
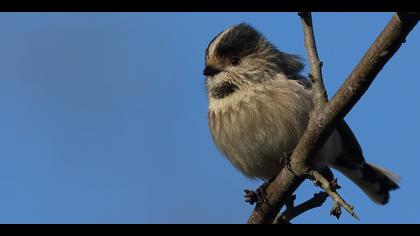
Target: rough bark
point(327, 113)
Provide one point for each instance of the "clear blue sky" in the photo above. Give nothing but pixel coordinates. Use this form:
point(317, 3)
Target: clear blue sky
point(103, 117)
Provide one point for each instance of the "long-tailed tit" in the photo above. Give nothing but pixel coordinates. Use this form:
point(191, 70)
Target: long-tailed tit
point(259, 107)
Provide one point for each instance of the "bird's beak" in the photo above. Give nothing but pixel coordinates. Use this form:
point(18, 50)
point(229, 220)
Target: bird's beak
point(211, 71)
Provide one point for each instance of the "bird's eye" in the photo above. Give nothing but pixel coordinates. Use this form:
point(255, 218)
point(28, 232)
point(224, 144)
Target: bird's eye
point(235, 61)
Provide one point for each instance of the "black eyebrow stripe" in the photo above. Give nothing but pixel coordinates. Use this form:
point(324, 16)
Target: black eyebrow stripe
point(208, 46)
point(241, 40)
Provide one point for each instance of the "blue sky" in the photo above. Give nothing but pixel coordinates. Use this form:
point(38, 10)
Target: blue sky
point(104, 117)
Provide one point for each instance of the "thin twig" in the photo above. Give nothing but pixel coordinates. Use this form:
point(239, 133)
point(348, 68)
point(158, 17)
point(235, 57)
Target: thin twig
point(320, 94)
point(291, 212)
point(331, 189)
point(384, 47)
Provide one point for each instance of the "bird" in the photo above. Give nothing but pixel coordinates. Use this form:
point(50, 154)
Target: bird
point(258, 108)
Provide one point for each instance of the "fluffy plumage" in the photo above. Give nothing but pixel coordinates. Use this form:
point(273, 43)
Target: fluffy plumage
point(259, 106)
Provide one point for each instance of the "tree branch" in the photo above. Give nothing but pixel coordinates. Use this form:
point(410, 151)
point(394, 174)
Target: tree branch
point(320, 100)
point(330, 189)
point(320, 94)
point(323, 122)
point(293, 211)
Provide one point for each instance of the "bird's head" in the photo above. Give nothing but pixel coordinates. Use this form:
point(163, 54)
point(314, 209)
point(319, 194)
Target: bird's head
point(241, 56)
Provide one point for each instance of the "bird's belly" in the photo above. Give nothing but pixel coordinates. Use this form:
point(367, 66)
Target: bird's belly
point(256, 136)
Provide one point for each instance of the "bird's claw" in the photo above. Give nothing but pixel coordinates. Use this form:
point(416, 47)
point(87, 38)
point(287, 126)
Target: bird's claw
point(257, 196)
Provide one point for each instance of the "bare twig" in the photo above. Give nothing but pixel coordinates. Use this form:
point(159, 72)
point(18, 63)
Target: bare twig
point(290, 203)
point(293, 211)
point(331, 189)
point(384, 47)
point(320, 100)
point(322, 124)
point(320, 94)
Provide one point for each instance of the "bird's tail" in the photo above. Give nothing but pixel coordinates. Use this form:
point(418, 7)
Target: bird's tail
point(375, 181)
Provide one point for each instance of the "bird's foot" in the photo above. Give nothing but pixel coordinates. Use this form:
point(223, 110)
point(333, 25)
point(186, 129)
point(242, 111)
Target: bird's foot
point(257, 196)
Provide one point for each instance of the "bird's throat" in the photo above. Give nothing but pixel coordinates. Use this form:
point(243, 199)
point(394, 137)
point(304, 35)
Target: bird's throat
point(223, 90)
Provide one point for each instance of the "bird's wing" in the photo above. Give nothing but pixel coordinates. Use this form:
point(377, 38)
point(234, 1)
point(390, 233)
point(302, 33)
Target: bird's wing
point(352, 155)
